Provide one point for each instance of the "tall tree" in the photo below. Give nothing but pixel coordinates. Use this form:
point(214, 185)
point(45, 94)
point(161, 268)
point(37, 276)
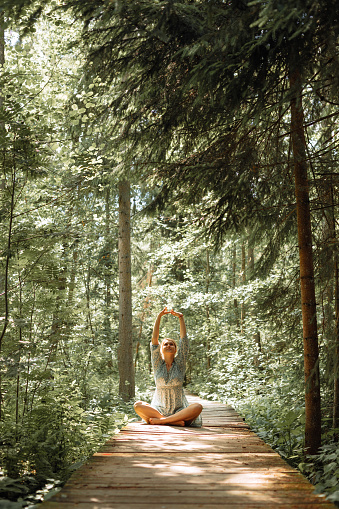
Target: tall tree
point(211, 78)
point(307, 285)
point(125, 351)
point(221, 105)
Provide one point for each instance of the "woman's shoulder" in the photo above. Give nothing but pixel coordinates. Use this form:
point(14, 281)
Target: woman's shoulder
point(183, 348)
point(184, 340)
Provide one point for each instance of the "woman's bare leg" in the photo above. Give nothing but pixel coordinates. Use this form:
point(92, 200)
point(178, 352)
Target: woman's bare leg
point(146, 412)
point(187, 415)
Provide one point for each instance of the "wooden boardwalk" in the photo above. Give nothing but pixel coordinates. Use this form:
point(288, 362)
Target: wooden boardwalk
point(221, 465)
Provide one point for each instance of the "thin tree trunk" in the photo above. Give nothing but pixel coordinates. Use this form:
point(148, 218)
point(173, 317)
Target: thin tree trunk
point(336, 351)
point(8, 256)
point(71, 285)
point(234, 269)
point(336, 330)
point(108, 272)
point(108, 267)
point(58, 313)
point(243, 278)
point(17, 402)
point(125, 350)
point(208, 347)
point(143, 315)
point(18, 385)
point(2, 40)
point(308, 302)
point(250, 260)
point(29, 354)
point(331, 320)
point(87, 283)
point(2, 278)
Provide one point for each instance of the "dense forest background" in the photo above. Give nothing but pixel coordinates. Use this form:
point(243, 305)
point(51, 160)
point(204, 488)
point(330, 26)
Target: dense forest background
point(148, 157)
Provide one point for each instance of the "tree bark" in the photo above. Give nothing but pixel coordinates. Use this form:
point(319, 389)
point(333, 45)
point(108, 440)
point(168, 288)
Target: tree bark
point(331, 319)
point(243, 278)
point(336, 351)
point(2, 42)
point(250, 260)
point(336, 329)
point(107, 267)
point(2, 279)
point(108, 270)
point(208, 280)
point(234, 268)
point(125, 349)
point(308, 302)
point(143, 314)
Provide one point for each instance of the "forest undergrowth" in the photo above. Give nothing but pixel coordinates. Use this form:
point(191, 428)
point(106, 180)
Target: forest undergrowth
point(39, 457)
point(63, 441)
point(275, 410)
point(219, 242)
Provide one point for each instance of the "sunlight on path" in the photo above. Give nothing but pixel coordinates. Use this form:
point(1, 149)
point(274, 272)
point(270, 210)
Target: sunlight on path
point(223, 464)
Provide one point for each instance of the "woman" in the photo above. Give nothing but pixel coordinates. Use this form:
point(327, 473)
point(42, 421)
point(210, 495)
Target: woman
point(169, 404)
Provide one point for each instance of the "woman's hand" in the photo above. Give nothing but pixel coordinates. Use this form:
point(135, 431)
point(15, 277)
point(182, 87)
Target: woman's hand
point(164, 312)
point(176, 313)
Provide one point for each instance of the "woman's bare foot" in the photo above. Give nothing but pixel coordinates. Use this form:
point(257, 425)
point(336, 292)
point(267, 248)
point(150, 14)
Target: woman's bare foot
point(163, 421)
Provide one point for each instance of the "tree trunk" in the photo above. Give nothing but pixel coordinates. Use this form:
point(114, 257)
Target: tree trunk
point(107, 264)
point(2, 279)
point(143, 314)
point(208, 279)
point(250, 267)
point(331, 319)
point(336, 327)
point(125, 349)
point(308, 302)
point(108, 254)
point(250, 260)
point(243, 278)
point(336, 351)
point(6, 276)
point(234, 268)
point(87, 277)
point(71, 285)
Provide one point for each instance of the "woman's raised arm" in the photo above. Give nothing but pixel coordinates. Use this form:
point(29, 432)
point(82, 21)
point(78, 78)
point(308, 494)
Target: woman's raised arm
point(156, 328)
point(181, 321)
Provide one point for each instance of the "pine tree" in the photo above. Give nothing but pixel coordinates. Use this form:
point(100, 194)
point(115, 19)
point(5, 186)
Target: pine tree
point(207, 93)
point(125, 352)
point(211, 78)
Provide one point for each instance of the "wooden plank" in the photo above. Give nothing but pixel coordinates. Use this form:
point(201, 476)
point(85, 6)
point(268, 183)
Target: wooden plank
point(158, 496)
point(137, 427)
point(223, 464)
point(183, 468)
point(191, 443)
point(195, 505)
point(270, 478)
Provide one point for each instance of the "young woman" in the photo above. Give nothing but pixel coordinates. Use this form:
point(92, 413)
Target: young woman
point(169, 404)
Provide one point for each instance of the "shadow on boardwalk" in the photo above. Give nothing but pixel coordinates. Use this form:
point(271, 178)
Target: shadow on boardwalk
point(221, 465)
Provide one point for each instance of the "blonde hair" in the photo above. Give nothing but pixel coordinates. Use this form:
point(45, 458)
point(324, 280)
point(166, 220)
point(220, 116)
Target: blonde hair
point(161, 346)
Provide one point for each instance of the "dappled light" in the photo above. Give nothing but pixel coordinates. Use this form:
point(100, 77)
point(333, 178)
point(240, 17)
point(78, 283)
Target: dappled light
point(181, 468)
point(170, 161)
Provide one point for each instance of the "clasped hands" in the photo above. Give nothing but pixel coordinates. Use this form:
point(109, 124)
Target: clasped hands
point(172, 312)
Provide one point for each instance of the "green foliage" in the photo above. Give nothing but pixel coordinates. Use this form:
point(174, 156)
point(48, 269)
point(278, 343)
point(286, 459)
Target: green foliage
point(192, 106)
point(56, 438)
point(282, 428)
point(324, 470)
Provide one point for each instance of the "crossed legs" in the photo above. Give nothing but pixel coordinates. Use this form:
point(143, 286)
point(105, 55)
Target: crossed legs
point(182, 418)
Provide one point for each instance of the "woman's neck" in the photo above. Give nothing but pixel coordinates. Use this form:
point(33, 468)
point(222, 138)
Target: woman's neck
point(168, 358)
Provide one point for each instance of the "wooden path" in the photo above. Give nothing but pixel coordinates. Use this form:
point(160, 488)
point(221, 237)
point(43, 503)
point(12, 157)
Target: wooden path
point(221, 465)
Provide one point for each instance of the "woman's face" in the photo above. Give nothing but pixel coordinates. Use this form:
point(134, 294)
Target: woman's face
point(168, 346)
